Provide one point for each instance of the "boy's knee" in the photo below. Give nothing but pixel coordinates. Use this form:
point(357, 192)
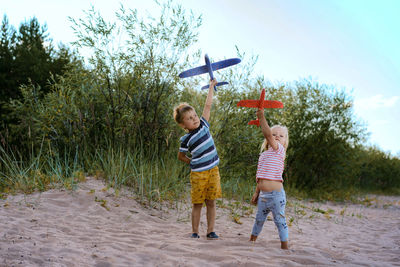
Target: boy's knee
point(210, 203)
point(197, 206)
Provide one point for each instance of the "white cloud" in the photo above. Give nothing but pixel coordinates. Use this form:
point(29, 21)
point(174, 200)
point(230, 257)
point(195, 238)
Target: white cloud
point(381, 115)
point(375, 102)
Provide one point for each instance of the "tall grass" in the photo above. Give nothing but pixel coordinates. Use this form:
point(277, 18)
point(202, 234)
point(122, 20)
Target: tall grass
point(41, 171)
point(237, 188)
point(154, 178)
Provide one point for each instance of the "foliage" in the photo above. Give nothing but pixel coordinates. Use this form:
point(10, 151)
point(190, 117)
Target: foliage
point(42, 171)
point(27, 56)
point(137, 80)
point(379, 172)
point(323, 134)
point(154, 178)
point(112, 117)
point(122, 97)
point(326, 157)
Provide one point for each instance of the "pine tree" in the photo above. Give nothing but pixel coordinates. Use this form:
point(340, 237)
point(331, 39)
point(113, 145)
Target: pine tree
point(27, 57)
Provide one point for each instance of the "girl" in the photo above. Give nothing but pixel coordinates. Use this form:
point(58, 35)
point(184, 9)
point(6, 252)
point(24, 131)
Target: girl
point(269, 194)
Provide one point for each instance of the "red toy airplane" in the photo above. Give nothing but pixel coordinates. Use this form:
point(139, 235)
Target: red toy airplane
point(261, 103)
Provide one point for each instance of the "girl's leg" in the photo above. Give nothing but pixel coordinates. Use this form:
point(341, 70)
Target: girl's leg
point(278, 212)
point(210, 204)
point(262, 213)
point(196, 212)
point(284, 245)
point(253, 238)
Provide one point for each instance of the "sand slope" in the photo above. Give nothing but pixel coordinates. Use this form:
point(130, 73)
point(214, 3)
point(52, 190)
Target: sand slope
point(63, 228)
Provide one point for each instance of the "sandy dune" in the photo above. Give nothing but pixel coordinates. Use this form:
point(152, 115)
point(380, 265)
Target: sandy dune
point(93, 227)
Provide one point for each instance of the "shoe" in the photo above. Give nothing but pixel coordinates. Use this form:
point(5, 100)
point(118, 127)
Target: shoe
point(195, 235)
point(212, 236)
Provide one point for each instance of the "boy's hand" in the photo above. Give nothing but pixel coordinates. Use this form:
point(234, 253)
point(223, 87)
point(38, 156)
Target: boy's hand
point(209, 99)
point(213, 82)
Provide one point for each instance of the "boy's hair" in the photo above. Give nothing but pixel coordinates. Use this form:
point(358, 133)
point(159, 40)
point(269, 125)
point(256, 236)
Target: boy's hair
point(265, 144)
point(180, 110)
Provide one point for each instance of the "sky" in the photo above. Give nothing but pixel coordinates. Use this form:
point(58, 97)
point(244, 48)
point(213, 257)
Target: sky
point(353, 45)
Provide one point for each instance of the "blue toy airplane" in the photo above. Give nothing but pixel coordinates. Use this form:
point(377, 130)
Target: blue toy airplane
point(210, 67)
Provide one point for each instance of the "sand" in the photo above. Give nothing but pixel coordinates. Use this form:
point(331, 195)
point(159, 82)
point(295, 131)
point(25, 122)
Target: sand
point(91, 226)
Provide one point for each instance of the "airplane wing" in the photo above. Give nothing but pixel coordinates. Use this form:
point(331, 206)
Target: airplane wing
point(254, 104)
point(218, 84)
point(193, 72)
point(248, 103)
point(272, 104)
point(225, 63)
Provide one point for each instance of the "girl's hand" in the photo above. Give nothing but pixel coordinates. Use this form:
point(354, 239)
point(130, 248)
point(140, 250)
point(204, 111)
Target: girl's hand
point(260, 113)
point(254, 198)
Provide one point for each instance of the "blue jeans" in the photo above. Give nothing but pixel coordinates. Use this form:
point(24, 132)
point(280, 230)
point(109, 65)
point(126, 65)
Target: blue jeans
point(272, 201)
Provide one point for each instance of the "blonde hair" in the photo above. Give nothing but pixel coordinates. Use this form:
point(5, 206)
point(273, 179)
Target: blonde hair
point(265, 144)
point(180, 110)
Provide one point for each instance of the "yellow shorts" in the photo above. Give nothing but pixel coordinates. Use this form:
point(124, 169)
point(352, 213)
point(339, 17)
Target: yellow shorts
point(205, 185)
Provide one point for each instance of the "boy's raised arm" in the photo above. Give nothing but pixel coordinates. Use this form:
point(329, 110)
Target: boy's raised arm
point(208, 104)
point(266, 130)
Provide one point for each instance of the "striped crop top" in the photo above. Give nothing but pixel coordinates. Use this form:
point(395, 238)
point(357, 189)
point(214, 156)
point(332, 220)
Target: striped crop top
point(271, 163)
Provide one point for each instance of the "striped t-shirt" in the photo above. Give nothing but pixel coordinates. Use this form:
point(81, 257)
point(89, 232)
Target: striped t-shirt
point(200, 144)
point(271, 164)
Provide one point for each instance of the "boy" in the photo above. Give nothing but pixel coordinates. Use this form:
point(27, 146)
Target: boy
point(204, 175)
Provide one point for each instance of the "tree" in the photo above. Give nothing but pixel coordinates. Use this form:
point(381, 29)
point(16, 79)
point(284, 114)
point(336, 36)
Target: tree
point(27, 57)
point(138, 78)
point(7, 81)
point(124, 96)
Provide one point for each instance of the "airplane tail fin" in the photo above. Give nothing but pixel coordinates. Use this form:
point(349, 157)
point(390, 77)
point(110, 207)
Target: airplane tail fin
point(218, 84)
point(254, 122)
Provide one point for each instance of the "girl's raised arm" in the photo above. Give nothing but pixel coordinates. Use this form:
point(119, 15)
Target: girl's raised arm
point(266, 130)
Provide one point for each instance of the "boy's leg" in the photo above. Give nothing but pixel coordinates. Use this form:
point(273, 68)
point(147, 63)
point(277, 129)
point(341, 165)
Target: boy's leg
point(210, 215)
point(213, 192)
point(198, 183)
point(196, 213)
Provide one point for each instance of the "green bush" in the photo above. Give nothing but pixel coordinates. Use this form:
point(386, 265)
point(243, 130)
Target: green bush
point(379, 172)
point(113, 115)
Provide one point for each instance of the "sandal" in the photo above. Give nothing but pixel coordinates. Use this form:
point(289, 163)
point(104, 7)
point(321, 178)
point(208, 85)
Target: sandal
point(195, 235)
point(212, 236)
